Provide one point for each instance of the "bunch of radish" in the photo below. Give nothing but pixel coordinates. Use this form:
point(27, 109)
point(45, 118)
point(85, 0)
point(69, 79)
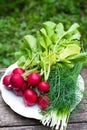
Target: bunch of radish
point(31, 88)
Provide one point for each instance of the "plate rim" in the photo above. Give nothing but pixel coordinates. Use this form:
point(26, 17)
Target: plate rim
point(40, 116)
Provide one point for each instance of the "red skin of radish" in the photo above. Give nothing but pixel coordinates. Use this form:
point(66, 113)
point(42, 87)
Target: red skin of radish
point(23, 88)
point(30, 97)
point(18, 92)
point(43, 102)
point(17, 81)
point(18, 71)
point(34, 79)
point(6, 82)
point(43, 87)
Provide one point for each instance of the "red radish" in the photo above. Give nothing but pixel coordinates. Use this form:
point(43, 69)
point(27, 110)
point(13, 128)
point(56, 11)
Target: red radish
point(30, 97)
point(17, 81)
point(24, 86)
point(18, 92)
point(43, 101)
point(34, 79)
point(43, 87)
point(18, 71)
point(6, 82)
point(21, 91)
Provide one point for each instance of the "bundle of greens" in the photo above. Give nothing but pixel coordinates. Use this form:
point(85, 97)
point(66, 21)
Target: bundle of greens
point(58, 56)
point(63, 82)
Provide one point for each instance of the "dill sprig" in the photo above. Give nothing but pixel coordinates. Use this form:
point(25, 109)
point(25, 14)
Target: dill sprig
point(63, 84)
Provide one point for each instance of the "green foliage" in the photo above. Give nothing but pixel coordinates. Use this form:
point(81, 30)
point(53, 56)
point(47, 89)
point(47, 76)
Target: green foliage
point(7, 6)
point(51, 45)
point(21, 17)
point(63, 83)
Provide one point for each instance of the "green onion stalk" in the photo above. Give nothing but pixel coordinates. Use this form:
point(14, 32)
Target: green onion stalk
point(64, 94)
point(54, 120)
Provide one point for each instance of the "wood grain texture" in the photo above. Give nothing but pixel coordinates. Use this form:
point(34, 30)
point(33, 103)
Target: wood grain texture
point(8, 117)
point(9, 120)
point(2, 70)
point(77, 126)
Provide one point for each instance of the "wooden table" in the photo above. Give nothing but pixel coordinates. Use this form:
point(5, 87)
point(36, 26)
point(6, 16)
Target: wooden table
point(9, 120)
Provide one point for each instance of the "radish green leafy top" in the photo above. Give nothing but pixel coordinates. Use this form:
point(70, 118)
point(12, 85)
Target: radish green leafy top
point(51, 45)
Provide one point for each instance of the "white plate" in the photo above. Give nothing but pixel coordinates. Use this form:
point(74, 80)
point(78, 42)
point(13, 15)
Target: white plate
point(17, 104)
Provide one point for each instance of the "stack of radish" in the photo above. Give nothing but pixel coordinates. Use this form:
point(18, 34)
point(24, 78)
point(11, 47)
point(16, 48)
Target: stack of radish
point(31, 88)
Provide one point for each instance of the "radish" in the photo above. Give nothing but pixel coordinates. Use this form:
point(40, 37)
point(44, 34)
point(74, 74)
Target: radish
point(18, 71)
point(24, 86)
point(43, 87)
point(18, 92)
point(30, 97)
point(43, 101)
point(17, 81)
point(6, 82)
point(21, 90)
point(34, 79)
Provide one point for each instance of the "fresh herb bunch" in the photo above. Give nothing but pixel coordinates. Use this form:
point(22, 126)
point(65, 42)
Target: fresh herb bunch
point(63, 82)
point(62, 94)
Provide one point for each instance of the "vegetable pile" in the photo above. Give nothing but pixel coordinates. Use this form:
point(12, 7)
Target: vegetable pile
point(27, 87)
point(49, 64)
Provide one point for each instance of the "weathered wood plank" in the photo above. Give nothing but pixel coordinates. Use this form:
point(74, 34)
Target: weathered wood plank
point(2, 70)
point(77, 126)
point(8, 117)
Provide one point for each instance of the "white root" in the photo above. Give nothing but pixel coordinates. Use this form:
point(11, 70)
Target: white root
point(55, 121)
point(63, 123)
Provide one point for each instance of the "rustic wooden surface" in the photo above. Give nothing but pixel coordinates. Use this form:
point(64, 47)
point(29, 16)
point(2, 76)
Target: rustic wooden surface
point(9, 120)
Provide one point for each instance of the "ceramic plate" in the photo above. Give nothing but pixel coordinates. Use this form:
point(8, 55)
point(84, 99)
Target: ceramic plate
point(17, 104)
